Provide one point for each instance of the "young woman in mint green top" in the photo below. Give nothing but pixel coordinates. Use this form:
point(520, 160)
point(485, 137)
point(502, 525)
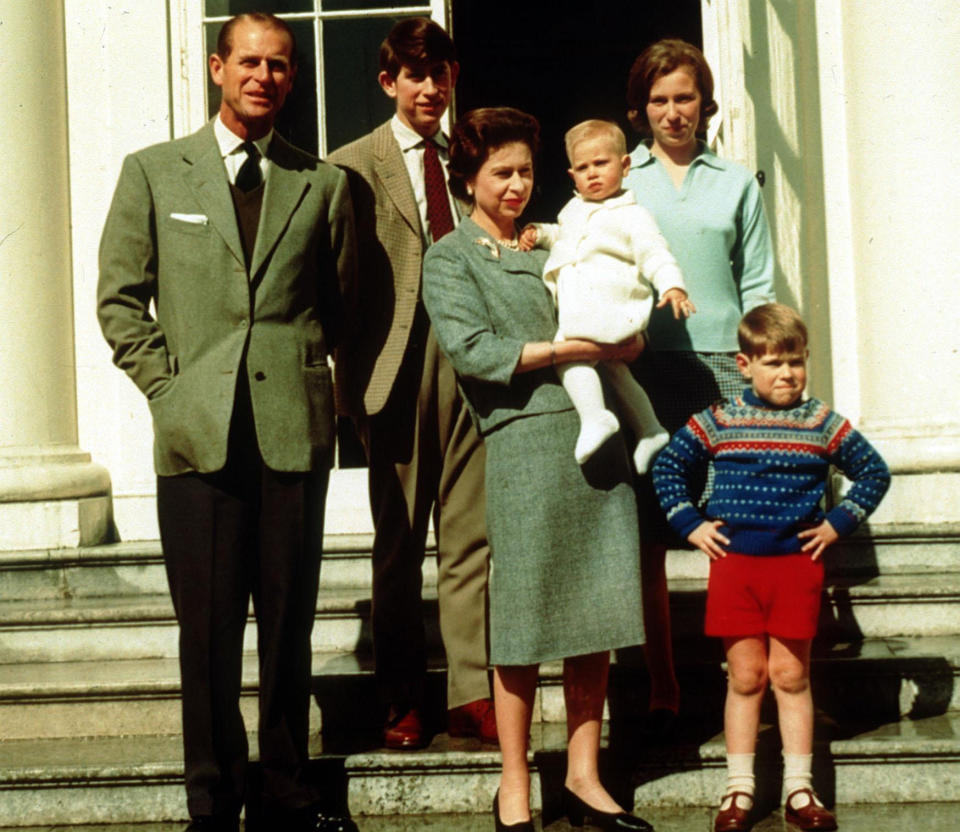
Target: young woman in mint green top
point(711, 212)
point(716, 228)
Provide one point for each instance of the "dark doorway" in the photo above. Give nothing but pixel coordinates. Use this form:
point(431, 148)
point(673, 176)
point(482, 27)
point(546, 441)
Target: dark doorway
point(561, 62)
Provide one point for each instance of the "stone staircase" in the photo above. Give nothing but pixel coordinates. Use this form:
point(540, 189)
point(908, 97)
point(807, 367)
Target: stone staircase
point(89, 687)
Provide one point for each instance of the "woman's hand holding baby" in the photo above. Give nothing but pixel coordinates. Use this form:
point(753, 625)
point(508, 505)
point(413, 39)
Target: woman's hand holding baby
point(578, 349)
point(682, 305)
point(627, 351)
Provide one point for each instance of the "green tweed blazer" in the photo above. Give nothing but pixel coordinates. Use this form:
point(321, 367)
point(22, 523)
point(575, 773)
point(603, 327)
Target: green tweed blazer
point(180, 309)
point(485, 302)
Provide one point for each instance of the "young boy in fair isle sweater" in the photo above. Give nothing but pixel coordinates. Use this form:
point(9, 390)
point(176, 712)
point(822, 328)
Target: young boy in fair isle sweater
point(765, 532)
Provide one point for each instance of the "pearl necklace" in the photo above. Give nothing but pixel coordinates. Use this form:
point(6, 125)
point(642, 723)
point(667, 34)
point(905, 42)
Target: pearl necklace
point(513, 245)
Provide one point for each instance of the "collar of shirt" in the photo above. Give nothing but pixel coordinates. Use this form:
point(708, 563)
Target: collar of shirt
point(411, 149)
point(230, 145)
point(409, 139)
point(752, 399)
point(641, 156)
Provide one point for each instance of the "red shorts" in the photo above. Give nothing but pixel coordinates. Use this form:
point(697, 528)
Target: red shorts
point(752, 594)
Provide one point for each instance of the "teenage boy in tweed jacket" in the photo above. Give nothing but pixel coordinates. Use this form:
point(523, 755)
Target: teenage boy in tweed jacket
point(765, 533)
point(424, 453)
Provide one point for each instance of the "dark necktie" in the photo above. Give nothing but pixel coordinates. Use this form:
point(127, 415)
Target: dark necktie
point(438, 203)
point(250, 176)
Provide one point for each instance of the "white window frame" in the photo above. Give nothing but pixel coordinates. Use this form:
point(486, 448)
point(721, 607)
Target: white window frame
point(731, 131)
point(189, 77)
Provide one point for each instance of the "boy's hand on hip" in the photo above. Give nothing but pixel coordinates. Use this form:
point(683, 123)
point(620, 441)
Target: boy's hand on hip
point(820, 537)
point(708, 539)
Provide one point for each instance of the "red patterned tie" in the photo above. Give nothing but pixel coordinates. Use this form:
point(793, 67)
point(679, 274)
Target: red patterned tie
point(438, 203)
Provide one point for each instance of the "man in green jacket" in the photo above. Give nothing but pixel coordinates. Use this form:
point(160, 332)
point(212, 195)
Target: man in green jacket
point(225, 262)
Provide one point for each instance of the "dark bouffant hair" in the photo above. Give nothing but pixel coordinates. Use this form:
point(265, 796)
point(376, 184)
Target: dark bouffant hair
point(771, 327)
point(481, 131)
point(660, 59)
point(225, 38)
point(415, 42)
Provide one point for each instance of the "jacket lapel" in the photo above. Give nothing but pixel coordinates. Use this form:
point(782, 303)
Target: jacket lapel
point(392, 173)
point(208, 180)
point(284, 190)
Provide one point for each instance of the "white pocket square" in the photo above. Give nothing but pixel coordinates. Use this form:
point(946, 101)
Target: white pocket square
point(194, 219)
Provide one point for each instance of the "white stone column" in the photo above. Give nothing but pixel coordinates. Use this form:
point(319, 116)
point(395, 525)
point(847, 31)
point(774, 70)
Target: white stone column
point(890, 124)
point(51, 494)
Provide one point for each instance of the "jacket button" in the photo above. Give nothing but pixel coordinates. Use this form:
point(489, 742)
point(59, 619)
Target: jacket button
point(259, 376)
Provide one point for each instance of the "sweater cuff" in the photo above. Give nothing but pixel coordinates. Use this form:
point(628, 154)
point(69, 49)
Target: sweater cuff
point(684, 520)
point(668, 276)
point(843, 521)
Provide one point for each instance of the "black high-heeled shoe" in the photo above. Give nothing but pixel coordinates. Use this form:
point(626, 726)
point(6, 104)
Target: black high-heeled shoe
point(523, 826)
point(578, 813)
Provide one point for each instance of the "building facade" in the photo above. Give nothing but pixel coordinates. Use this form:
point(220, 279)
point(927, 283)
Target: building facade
point(846, 106)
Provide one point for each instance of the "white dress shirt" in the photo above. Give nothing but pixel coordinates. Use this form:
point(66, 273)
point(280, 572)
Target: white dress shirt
point(232, 152)
point(411, 146)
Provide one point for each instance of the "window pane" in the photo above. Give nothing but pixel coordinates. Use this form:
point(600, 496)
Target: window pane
point(349, 5)
point(225, 8)
point(355, 104)
point(297, 121)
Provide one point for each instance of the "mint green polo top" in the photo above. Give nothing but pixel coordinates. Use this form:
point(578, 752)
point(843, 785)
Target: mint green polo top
point(718, 232)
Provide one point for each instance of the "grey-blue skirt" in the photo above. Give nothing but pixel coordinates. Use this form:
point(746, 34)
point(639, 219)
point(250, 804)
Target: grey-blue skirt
point(565, 574)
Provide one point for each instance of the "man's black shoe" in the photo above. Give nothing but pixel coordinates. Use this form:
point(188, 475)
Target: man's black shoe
point(306, 819)
point(213, 823)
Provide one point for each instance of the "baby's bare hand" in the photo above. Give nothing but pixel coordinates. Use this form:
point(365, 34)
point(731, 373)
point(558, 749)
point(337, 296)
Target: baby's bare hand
point(708, 539)
point(681, 304)
point(528, 238)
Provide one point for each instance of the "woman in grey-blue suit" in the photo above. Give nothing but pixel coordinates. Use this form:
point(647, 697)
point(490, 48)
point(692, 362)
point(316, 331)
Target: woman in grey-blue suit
point(565, 579)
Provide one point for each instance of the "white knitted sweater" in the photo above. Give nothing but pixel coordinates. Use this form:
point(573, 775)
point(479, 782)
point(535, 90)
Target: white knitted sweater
point(606, 259)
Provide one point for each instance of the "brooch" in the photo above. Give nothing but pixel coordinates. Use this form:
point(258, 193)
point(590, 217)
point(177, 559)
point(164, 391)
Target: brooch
point(490, 245)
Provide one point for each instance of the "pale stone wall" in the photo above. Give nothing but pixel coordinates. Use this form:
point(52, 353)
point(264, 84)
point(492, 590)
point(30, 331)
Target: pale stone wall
point(51, 494)
point(118, 74)
point(846, 107)
point(902, 121)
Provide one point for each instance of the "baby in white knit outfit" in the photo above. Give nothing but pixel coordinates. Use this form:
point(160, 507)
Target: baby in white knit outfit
point(607, 259)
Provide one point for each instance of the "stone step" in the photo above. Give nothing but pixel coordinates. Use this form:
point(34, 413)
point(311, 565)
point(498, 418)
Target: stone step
point(136, 568)
point(928, 817)
point(854, 607)
point(143, 626)
point(122, 780)
point(886, 678)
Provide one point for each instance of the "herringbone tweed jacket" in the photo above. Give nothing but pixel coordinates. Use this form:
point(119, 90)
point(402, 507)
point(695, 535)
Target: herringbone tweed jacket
point(390, 247)
point(184, 314)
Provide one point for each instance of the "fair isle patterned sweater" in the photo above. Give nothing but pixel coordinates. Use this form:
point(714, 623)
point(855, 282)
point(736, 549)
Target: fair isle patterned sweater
point(771, 471)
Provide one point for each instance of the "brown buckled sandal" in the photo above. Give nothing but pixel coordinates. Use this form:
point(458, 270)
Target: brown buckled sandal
point(811, 814)
point(731, 817)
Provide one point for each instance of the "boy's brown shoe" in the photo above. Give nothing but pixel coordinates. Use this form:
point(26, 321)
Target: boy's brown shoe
point(733, 818)
point(812, 815)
